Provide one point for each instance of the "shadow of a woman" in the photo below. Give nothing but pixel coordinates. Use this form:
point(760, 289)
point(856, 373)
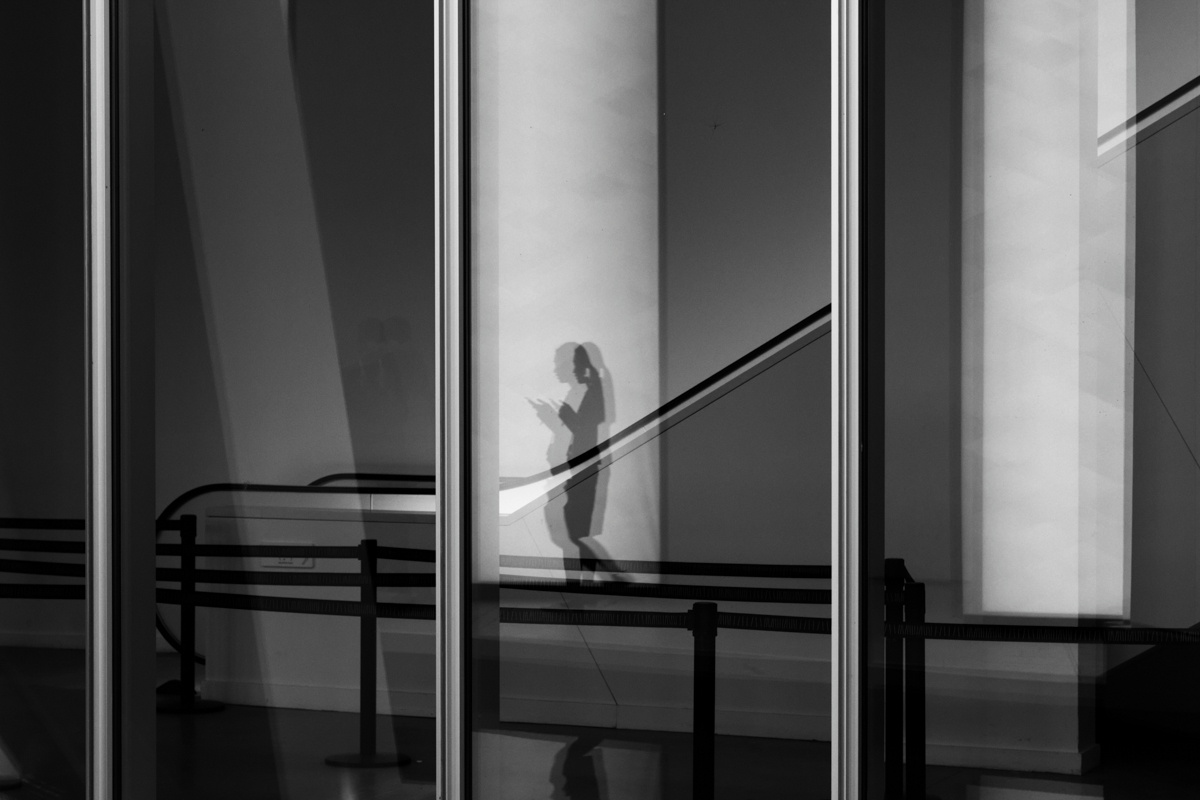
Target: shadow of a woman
point(579, 423)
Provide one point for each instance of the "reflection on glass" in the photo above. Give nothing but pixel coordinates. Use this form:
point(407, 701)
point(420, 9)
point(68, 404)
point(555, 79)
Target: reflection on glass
point(649, 226)
point(1040, 469)
point(294, 397)
point(43, 454)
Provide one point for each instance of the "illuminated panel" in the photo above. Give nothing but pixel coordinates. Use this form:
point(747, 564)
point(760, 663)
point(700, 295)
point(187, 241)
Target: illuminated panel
point(565, 152)
point(1047, 301)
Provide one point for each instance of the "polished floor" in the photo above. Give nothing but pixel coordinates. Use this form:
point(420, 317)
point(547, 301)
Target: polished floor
point(248, 752)
point(279, 754)
point(254, 753)
point(1138, 762)
point(1164, 775)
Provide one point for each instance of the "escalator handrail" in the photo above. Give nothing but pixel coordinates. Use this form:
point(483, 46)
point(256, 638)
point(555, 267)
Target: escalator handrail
point(325, 480)
point(625, 433)
point(817, 318)
point(280, 488)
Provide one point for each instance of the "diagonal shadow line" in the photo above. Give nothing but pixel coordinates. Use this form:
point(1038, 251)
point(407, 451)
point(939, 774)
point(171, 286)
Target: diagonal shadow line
point(565, 598)
point(1166, 408)
point(1138, 360)
point(566, 602)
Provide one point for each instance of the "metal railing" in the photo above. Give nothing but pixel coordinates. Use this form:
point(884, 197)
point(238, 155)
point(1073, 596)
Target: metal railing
point(905, 627)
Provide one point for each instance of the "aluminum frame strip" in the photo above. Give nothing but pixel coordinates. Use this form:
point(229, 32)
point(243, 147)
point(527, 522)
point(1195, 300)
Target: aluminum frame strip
point(451, 464)
point(847, 655)
point(100, 608)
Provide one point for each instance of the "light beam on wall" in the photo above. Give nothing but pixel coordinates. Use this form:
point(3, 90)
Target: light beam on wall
point(1047, 309)
point(565, 149)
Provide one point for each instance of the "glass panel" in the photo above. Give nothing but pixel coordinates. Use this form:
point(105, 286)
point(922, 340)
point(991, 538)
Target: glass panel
point(649, 250)
point(294, 398)
point(1040, 396)
point(43, 618)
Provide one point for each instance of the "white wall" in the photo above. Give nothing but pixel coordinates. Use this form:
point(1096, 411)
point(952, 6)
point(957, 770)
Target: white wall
point(565, 241)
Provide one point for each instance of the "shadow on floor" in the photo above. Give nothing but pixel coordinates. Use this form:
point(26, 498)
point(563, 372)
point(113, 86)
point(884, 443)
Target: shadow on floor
point(250, 752)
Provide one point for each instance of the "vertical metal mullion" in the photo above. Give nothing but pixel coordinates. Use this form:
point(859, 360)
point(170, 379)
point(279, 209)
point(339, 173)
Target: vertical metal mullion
point(453, 731)
point(100, 562)
point(847, 651)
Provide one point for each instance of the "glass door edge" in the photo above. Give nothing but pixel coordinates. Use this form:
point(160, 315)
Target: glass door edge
point(847, 652)
point(452, 409)
point(100, 609)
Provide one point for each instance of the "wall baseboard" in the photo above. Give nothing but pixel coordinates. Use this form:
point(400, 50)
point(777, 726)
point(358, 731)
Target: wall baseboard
point(1013, 758)
point(730, 722)
point(317, 698)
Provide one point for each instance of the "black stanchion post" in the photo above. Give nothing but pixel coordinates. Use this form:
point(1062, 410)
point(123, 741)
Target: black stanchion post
point(368, 625)
point(186, 702)
point(893, 701)
point(187, 612)
point(368, 754)
point(914, 695)
point(704, 700)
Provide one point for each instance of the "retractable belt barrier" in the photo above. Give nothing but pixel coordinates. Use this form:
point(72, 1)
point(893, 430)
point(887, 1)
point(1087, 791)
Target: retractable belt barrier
point(703, 619)
point(810, 571)
point(905, 627)
point(904, 656)
point(738, 594)
point(41, 591)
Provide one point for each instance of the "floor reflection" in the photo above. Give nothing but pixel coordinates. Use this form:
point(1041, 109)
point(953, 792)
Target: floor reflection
point(42, 720)
point(527, 761)
point(249, 752)
point(574, 775)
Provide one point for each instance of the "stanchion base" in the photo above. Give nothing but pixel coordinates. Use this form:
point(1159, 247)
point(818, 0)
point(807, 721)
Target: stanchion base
point(10, 782)
point(175, 705)
point(362, 760)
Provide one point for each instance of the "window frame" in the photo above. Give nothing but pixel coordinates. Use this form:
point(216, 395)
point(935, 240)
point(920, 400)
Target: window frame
point(850, 579)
